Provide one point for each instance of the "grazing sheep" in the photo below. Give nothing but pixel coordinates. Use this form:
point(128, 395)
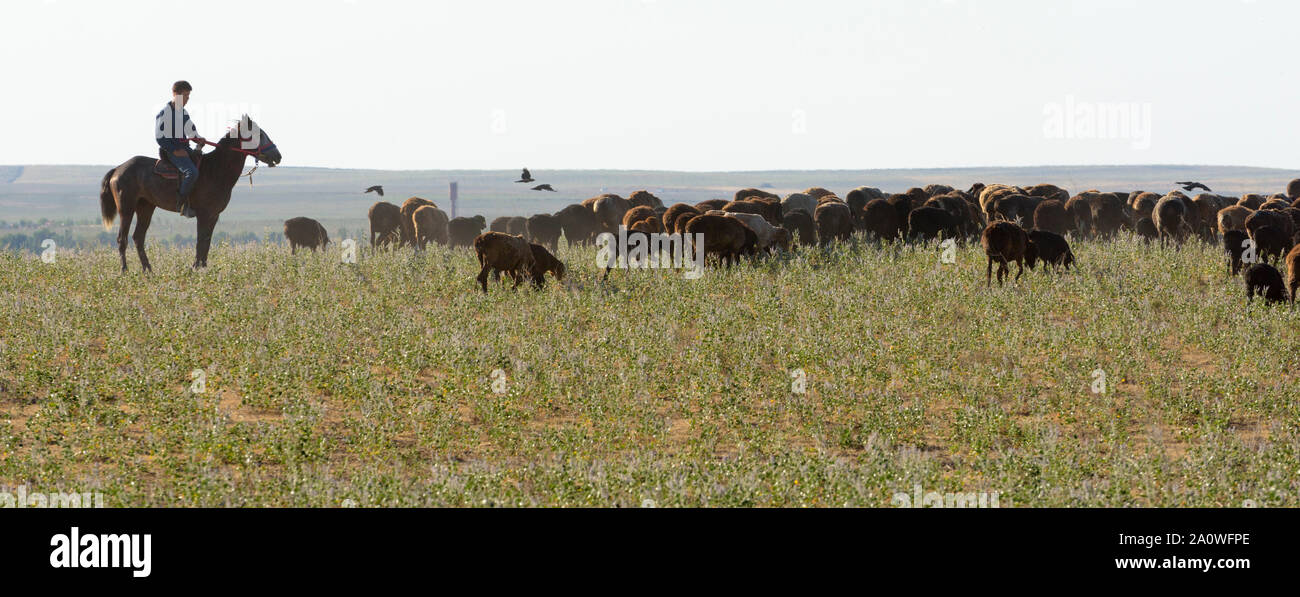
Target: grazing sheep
point(1234, 244)
point(1081, 213)
point(545, 229)
point(929, 223)
point(801, 222)
point(1271, 244)
point(1275, 204)
point(1146, 229)
point(1293, 270)
point(881, 219)
point(992, 192)
point(609, 209)
point(1005, 242)
point(499, 224)
point(766, 235)
point(818, 192)
point(543, 262)
point(795, 201)
point(723, 236)
point(1251, 200)
point(430, 225)
point(1013, 208)
point(518, 226)
point(675, 212)
point(644, 198)
point(1051, 248)
point(1281, 221)
point(934, 190)
point(305, 232)
point(385, 224)
point(408, 219)
point(1293, 189)
point(1048, 192)
point(636, 214)
point(461, 232)
point(768, 210)
point(1233, 217)
point(857, 200)
point(1207, 208)
point(833, 222)
point(578, 223)
point(1144, 204)
point(1264, 279)
point(1109, 213)
point(1051, 215)
point(1170, 218)
point(505, 253)
point(743, 194)
point(704, 206)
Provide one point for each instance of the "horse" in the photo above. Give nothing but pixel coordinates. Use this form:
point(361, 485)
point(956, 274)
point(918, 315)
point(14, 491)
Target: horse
point(133, 189)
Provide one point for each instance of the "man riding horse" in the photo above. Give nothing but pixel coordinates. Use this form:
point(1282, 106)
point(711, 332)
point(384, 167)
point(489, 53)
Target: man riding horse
point(173, 131)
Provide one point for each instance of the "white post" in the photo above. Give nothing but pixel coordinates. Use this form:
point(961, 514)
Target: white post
point(453, 199)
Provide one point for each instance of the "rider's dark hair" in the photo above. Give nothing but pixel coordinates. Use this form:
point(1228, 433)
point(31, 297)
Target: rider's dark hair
point(181, 87)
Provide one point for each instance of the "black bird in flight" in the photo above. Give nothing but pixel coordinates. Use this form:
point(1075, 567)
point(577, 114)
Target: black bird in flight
point(525, 177)
point(543, 187)
point(1192, 186)
point(376, 189)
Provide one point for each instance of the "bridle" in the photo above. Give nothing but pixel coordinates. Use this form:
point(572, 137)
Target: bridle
point(256, 153)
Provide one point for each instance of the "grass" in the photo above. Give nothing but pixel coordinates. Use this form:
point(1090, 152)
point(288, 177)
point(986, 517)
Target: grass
point(328, 382)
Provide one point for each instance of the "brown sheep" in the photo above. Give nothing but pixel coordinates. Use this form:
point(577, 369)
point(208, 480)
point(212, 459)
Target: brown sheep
point(704, 206)
point(934, 190)
point(743, 194)
point(1271, 244)
point(305, 232)
point(644, 198)
point(609, 209)
point(1275, 204)
point(636, 214)
point(385, 224)
point(1081, 215)
point(543, 262)
point(993, 192)
point(1048, 191)
point(1147, 229)
point(723, 236)
point(545, 229)
point(500, 224)
point(674, 212)
point(508, 254)
point(1005, 242)
point(1265, 280)
point(461, 232)
point(1251, 200)
point(517, 225)
point(1234, 244)
point(818, 192)
point(1293, 189)
point(1051, 215)
point(801, 223)
point(1051, 248)
point(833, 222)
point(1281, 221)
point(1233, 217)
point(1013, 208)
point(1293, 269)
point(408, 219)
point(1144, 204)
point(881, 219)
point(1109, 213)
point(769, 211)
point(579, 224)
point(931, 223)
point(1207, 208)
point(1170, 218)
point(430, 225)
point(799, 201)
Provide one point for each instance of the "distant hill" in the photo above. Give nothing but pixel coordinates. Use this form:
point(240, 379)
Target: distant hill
point(63, 192)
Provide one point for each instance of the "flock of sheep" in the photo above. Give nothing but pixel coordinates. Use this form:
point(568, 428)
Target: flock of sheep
point(1013, 224)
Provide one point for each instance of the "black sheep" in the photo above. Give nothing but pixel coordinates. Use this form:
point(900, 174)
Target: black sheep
point(1265, 280)
point(1052, 248)
point(1234, 244)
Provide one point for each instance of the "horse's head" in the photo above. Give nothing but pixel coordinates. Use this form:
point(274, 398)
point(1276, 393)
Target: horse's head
point(254, 141)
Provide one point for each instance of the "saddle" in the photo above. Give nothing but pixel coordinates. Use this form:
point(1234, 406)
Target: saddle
point(165, 169)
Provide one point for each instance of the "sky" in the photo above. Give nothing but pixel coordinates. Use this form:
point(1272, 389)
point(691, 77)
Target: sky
point(697, 85)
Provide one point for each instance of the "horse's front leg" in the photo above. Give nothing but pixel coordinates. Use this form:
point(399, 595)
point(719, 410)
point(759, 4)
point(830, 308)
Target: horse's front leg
point(206, 223)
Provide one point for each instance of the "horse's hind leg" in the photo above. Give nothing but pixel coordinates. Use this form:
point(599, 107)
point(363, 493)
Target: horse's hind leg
point(126, 211)
point(144, 213)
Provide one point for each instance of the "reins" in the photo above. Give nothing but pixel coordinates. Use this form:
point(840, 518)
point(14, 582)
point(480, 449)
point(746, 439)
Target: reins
point(254, 154)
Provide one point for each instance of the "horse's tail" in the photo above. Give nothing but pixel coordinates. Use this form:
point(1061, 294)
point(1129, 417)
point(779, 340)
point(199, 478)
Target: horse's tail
point(107, 206)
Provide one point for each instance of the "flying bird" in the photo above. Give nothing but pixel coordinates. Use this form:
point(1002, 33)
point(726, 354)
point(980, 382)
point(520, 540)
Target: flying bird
point(1192, 186)
point(525, 177)
point(543, 187)
point(376, 189)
